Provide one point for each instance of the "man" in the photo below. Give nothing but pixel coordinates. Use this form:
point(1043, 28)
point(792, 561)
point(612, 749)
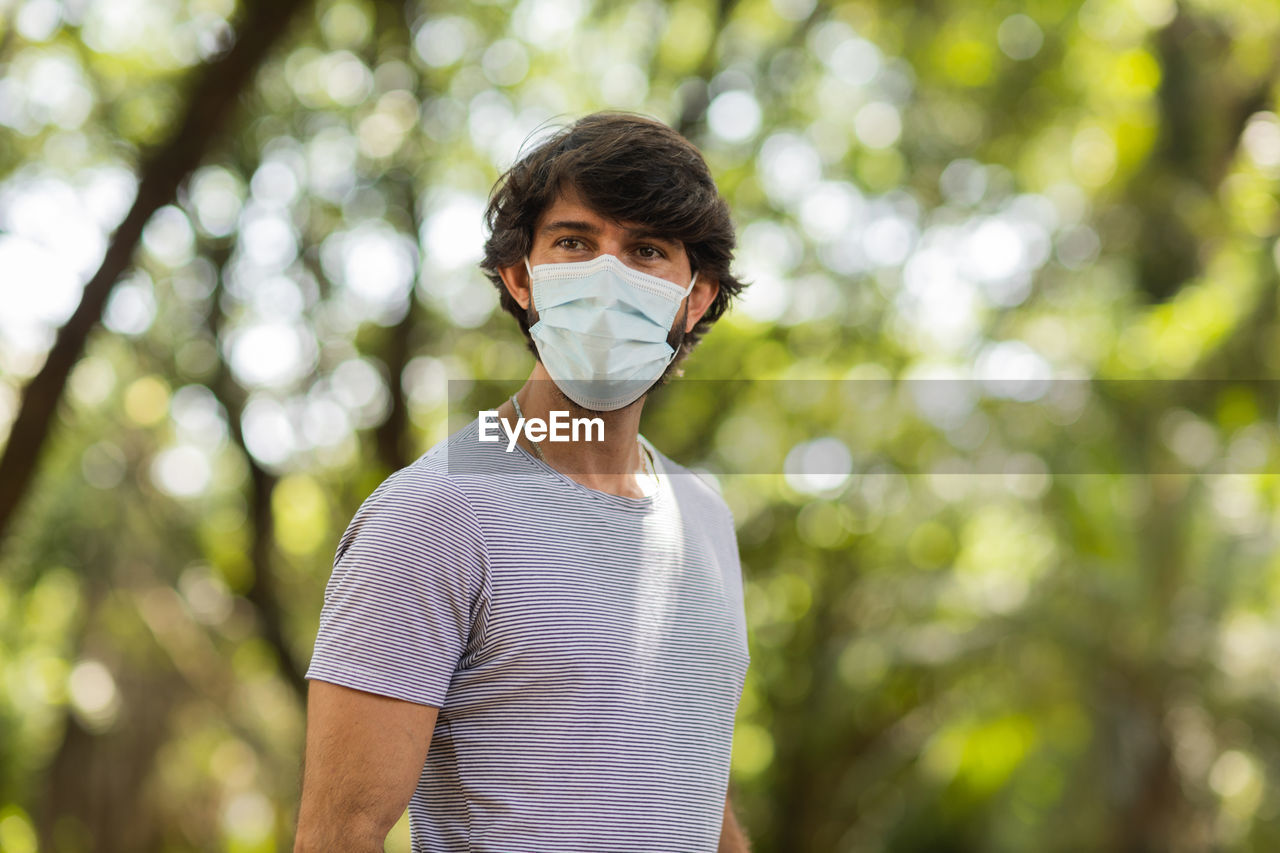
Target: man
point(540, 645)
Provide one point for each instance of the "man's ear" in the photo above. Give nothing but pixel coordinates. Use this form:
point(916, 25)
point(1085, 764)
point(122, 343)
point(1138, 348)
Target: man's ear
point(703, 294)
point(516, 280)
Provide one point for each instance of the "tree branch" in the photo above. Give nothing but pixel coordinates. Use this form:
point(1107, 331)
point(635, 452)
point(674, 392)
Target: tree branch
point(391, 436)
point(262, 483)
point(694, 110)
point(220, 84)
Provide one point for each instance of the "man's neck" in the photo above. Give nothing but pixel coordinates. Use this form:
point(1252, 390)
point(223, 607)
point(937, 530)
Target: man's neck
point(615, 464)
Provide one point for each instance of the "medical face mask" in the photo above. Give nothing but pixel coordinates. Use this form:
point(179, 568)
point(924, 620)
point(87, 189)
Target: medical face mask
point(602, 328)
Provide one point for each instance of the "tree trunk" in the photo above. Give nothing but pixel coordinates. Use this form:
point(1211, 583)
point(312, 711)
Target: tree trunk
point(209, 106)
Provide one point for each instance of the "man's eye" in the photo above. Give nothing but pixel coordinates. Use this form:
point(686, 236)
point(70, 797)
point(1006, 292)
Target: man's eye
point(570, 243)
point(649, 253)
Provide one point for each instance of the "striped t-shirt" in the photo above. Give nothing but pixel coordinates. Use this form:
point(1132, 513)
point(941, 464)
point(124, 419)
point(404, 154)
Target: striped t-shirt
point(586, 651)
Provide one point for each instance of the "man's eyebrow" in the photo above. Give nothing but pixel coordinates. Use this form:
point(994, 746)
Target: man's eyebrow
point(570, 225)
point(591, 228)
point(651, 234)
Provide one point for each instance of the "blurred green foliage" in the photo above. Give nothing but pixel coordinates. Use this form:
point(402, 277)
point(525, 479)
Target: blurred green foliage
point(984, 629)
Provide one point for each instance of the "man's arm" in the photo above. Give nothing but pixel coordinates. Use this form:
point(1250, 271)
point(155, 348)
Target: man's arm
point(364, 756)
point(732, 839)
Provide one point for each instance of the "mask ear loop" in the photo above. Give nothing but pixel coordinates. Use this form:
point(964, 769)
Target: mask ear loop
point(529, 270)
point(692, 282)
point(676, 347)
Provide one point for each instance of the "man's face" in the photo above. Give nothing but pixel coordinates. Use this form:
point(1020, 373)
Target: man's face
point(569, 231)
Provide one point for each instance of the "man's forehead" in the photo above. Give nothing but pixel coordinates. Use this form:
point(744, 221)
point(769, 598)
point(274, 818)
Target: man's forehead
point(568, 212)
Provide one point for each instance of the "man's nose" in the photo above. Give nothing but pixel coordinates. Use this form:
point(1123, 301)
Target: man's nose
point(610, 248)
point(618, 251)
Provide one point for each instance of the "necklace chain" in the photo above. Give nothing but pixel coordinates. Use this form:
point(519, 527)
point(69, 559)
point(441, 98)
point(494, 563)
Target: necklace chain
point(537, 445)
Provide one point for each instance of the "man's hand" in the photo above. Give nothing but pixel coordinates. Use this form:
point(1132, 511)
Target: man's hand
point(732, 839)
point(364, 756)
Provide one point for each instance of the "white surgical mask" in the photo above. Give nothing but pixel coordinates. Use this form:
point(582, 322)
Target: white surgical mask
point(602, 328)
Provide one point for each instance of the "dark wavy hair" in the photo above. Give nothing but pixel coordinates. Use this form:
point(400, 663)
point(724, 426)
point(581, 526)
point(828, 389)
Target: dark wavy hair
point(627, 168)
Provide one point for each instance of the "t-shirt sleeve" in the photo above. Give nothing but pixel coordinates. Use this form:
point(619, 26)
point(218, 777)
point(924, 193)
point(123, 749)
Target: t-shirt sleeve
point(401, 604)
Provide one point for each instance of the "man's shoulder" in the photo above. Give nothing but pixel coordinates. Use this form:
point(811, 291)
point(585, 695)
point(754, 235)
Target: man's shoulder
point(436, 503)
point(452, 472)
point(461, 452)
point(696, 488)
